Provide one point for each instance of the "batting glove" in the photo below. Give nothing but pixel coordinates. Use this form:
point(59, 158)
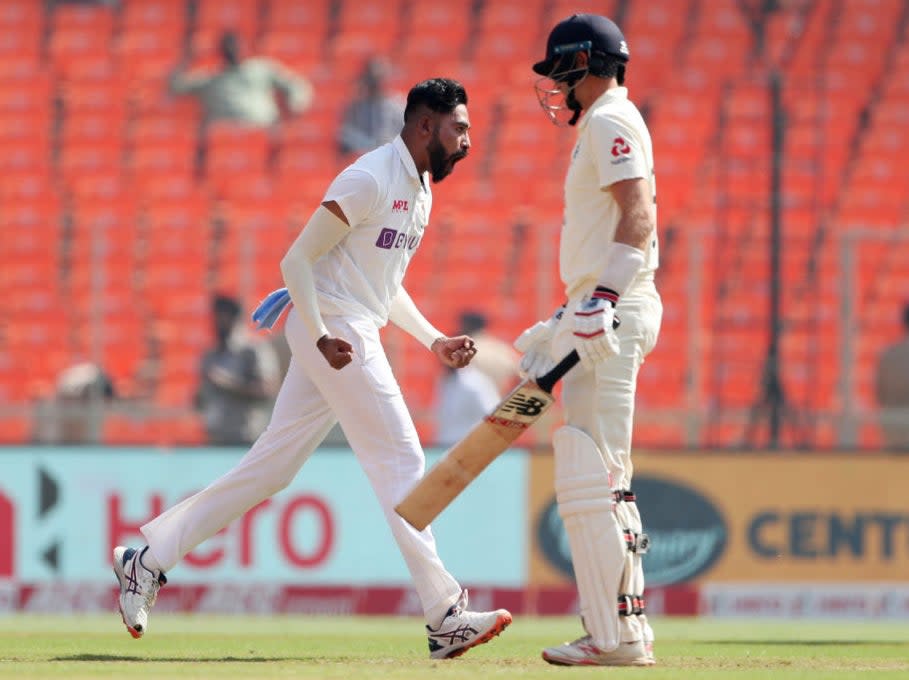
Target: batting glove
point(536, 345)
point(594, 327)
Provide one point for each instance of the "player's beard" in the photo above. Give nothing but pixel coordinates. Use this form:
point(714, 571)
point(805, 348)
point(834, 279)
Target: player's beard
point(441, 163)
point(574, 105)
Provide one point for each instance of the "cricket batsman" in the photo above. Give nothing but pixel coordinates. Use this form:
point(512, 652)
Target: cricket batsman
point(608, 254)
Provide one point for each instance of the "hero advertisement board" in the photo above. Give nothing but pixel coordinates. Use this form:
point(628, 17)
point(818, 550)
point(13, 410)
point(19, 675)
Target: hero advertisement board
point(62, 510)
point(761, 518)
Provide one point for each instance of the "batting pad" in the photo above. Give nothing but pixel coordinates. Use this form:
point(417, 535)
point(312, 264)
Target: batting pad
point(598, 549)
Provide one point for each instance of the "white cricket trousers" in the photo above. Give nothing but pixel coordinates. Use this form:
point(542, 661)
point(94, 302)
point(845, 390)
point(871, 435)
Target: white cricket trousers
point(601, 401)
point(367, 401)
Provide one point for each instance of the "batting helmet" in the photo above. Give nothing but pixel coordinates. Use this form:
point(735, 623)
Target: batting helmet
point(582, 32)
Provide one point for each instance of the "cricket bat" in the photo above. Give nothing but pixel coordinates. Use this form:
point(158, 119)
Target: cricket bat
point(491, 436)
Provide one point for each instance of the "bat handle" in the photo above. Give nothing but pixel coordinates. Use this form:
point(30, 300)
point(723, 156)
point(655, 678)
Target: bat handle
point(548, 380)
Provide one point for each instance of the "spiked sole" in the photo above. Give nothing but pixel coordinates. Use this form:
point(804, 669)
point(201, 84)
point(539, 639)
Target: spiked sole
point(502, 622)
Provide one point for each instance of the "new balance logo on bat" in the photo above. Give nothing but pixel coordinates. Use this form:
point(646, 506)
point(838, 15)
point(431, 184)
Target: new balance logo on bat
point(524, 403)
point(520, 409)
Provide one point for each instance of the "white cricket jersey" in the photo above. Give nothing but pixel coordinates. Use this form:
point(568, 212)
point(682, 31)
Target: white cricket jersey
point(387, 206)
point(613, 144)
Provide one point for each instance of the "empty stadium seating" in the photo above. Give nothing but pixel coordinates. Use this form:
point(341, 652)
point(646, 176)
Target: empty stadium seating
point(119, 215)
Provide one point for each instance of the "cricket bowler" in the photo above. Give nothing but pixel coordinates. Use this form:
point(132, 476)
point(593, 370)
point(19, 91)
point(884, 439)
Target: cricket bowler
point(344, 275)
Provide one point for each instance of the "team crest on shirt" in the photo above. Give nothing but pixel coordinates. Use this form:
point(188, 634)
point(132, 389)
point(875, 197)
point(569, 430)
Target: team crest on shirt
point(620, 150)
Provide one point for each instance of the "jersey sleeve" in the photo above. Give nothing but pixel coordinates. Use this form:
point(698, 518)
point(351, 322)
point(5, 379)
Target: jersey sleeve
point(356, 192)
point(617, 151)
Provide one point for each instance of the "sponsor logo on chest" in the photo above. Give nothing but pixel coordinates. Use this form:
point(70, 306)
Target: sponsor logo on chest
point(392, 239)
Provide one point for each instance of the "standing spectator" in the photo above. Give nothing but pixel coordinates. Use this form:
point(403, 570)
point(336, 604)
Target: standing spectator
point(495, 358)
point(375, 116)
point(464, 398)
point(244, 90)
point(892, 386)
point(468, 395)
point(76, 413)
point(238, 379)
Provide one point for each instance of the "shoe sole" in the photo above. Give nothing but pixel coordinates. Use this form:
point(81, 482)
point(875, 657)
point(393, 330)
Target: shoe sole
point(502, 622)
point(640, 661)
point(118, 572)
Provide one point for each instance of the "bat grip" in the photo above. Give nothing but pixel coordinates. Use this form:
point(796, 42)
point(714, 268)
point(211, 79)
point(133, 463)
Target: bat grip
point(548, 380)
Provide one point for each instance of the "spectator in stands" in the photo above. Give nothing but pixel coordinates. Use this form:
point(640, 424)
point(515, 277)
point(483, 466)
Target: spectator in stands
point(375, 116)
point(893, 390)
point(244, 90)
point(465, 396)
point(495, 358)
point(238, 379)
point(76, 413)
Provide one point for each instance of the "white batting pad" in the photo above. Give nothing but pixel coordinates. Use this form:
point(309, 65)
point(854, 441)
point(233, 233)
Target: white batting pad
point(598, 549)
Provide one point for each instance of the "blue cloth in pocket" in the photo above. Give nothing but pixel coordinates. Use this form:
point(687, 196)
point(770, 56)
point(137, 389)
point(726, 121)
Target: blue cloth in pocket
point(270, 309)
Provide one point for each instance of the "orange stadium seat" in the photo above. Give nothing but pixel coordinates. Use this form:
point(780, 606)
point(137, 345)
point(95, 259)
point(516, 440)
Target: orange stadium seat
point(289, 48)
point(20, 46)
point(232, 150)
point(385, 17)
point(240, 16)
point(561, 9)
point(435, 19)
point(68, 45)
point(157, 16)
point(17, 428)
point(301, 17)
point(21, 13)
point(520, 17)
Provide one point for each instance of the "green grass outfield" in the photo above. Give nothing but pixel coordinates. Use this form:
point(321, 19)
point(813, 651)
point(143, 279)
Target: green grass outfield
point(225, 647)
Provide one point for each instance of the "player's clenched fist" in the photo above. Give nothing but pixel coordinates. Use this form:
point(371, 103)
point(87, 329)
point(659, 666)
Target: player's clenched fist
point(337, 352)
point(594, 327)
point(455, 352)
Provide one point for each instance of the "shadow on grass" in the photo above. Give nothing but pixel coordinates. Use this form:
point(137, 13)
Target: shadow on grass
point(807, 643)
point(183, 659)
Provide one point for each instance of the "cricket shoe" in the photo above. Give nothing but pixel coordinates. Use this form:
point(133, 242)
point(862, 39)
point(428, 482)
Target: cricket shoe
point(583, 652)
point(461, 629)
point(138, 588)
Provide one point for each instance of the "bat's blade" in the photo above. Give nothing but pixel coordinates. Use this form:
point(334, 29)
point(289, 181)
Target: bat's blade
point(469, 457)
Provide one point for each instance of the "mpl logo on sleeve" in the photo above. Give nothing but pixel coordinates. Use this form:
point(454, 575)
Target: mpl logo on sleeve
point(687, 533)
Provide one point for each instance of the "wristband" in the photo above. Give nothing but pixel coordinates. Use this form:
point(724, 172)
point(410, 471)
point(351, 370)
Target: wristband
point(622, 265)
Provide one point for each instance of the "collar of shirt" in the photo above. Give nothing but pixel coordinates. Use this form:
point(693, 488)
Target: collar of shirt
point(611, 94)
point(407, 160)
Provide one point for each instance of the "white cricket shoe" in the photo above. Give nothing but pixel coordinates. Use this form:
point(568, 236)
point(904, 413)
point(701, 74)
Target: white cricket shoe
point(138, 588)
point(583, 652)
point(461, 629)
